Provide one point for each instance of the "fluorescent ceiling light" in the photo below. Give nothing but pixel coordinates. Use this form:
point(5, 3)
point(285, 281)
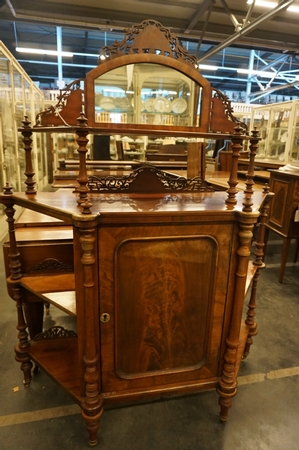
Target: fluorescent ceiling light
point(38, 51)
point(261, 73)
point(207, 67)
point(272, 5)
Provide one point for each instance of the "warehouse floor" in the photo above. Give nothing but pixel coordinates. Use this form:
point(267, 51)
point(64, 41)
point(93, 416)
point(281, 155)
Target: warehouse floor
point(264, 415)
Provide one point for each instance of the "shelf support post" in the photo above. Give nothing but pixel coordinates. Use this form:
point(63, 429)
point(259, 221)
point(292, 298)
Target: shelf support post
point(92, 405)
point(82, 179)
point(258, 261)
point(248, 192)
point(227, 385)
point(21, 353)
point(27, 140)
point(233, 179)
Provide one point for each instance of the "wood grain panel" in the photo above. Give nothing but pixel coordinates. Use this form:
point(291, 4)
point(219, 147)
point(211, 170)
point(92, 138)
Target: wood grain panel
point(163, 297)
point(279, 202)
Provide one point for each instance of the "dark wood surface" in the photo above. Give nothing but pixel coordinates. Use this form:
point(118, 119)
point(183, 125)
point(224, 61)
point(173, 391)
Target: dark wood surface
point(285, 185)
point(153, 267)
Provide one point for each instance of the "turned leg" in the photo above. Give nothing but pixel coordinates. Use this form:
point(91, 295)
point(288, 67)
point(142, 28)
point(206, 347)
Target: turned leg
point(284, 257)
point(296, 250)
point(21, 349)
point(34, 315)
point(250, 319)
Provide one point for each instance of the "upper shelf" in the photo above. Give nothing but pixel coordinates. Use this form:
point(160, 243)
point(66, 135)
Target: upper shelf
point(146, 84)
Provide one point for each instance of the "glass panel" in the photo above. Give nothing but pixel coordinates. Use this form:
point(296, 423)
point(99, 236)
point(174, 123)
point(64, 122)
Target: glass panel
point(294, 152)
point(147, 94)
point(278, 134)
point(260, 121)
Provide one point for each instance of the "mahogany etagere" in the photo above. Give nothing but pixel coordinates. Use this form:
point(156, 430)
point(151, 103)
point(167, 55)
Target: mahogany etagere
point(153, 266)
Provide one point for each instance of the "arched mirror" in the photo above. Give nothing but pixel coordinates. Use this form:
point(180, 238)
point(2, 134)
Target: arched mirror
point(147, 93)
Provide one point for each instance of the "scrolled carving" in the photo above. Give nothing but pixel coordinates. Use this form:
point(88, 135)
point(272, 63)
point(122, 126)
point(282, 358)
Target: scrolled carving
point(131, 44)
point(55, 115)
point(56, 332)
point(162, 180)
point(228, 109)
point(50, 265)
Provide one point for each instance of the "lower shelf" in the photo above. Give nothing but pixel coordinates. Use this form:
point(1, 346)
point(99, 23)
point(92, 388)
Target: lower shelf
point(59, 359)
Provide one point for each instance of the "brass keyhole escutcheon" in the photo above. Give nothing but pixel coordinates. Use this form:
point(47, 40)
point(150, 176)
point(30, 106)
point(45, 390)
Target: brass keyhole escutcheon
point(105, 317)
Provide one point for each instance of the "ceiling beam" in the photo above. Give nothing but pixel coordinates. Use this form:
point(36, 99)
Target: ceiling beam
point(206, 4)
point(247, 29)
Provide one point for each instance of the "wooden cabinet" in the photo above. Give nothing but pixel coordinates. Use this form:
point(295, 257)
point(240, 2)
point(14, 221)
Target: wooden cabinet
point(282, 214)
point(156, 267)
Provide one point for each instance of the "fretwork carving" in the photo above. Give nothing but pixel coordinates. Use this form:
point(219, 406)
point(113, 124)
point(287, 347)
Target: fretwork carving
point(136, 40)
point(148, 179)
point(69, 105)
point(221, 107)
point(50, 265)
point(55, 333)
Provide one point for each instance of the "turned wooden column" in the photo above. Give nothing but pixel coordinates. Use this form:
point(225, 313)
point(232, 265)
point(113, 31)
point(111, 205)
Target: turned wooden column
point(236, 146)
point(258, 261)
point(249, 183)
point(27, 134)
point(82, 179)
point(92, 404)
point(21, 353)
point(227, 385)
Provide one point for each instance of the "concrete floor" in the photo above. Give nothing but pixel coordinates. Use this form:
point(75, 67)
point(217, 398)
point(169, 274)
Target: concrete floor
point(264, 415)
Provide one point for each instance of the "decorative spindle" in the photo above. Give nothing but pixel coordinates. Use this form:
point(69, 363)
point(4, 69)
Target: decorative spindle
point(27, 141)
point(92, 404)
point(14, 255)
point(21, 349)
point(248, 192)
point(227, 385)
point(82, 179)
point(236, 146)
point(258, 261)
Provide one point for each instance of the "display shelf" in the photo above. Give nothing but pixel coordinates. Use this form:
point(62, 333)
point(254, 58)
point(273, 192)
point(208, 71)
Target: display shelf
point(160, 263)
point(278, 128)
point(66, 374)
point(19, 97)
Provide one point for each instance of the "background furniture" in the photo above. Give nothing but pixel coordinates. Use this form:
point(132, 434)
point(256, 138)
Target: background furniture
point(282, 214)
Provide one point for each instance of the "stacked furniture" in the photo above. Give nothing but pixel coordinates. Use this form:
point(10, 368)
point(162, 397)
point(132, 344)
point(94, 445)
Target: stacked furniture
point(153, 266)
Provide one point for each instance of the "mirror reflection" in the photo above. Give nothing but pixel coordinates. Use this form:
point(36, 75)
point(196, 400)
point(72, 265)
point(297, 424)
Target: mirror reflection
point(147, 94)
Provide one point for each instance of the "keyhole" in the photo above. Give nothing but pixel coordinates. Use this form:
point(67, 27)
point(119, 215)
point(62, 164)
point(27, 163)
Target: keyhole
point(105, 317)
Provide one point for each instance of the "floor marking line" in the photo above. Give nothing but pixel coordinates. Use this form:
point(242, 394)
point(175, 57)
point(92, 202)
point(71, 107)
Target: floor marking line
point(282, 373)
point(61, 411)
point(42, 414)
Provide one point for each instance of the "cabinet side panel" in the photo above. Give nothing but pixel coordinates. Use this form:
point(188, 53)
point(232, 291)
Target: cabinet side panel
point(279, 205)
point(164, 297)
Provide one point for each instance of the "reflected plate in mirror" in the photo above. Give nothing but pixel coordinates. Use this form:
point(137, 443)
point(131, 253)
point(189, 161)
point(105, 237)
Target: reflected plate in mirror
point(149, 104)
point(179, 105)
point(162, 105)
point(107, 103)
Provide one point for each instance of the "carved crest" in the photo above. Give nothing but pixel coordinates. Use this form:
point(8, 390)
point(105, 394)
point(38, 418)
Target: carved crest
point(149, 36)
point(148, 179)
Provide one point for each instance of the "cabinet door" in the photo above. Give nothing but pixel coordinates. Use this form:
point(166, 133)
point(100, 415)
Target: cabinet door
point(278, 214)
point(165, 289)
